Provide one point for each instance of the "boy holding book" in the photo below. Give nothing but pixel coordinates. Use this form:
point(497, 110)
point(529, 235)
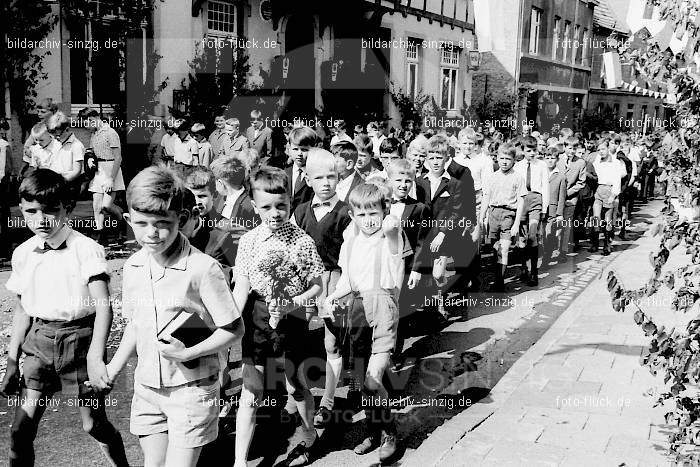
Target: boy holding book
point(61, 322)
point(273, 300)
point(174, 410)
point(373, 274)
point(325, 218)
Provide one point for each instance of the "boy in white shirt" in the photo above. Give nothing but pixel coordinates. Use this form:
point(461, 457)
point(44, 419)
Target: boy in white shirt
point(609, 186)
point(374, 278)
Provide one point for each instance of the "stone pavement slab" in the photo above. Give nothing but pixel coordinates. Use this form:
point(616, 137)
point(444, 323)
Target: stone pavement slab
point(579, 395)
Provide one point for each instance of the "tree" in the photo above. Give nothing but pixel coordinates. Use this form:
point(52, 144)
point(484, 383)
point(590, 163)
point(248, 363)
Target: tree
point(498, 110)
point(674, 353)
point(596, 122)
point(22, 66)
point(219, 76)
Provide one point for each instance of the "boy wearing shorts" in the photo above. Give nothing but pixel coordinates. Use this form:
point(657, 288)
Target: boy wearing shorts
point(175, 407)
point(61, 323)
point(373, 274)
point(276, 325)
point(502, 208)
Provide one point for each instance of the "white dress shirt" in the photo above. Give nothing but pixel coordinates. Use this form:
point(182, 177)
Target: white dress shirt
point(609, 173)
point(342, 189)
point(52, 157)
point(539, 178)
point(435, 181)
point(231, 199)
point(321, 208)
point(480, 168)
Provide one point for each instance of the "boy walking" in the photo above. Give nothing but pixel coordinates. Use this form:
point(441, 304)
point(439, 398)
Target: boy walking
point(175, 406)
point(502, 208)
point(373, 274)
point(324, 219)
point(61, 323)
point(275, 323)
point(557, 203)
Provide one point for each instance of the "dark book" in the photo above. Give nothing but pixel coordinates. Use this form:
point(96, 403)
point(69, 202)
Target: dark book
point(189, 329)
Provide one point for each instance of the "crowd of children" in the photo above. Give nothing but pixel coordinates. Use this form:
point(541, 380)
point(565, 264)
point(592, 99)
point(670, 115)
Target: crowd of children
point(358, 233)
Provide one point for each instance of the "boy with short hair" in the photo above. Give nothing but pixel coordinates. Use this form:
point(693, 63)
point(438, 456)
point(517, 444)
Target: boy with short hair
point(443, 195)
point(536, 177)
point(300, 141)
point(414, 215)
point(557, 203)
point(62, 320)
point(365, 163)
point(275, 326)
point(374, 277)
point(218, 138)
point(202, 230)
point(236, 141)
point(324, 219)
point(346, 159)
point(502, 208)
point(235, 208)
point(206, 154)
point(167, 143)
point(175, 406)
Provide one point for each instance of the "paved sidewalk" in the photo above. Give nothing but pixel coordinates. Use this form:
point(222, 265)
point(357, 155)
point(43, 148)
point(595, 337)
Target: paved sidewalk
point(576, 397)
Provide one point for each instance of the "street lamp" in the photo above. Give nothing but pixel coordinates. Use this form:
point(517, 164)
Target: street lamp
point(474, 59)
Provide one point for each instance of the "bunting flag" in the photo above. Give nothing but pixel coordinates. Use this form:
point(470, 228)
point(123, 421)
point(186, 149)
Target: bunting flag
point(657, 94)
point(645, 92)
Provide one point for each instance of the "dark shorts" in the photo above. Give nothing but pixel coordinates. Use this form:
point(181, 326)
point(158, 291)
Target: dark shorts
point(500, 222)
point(261, 344)
point(56, 355)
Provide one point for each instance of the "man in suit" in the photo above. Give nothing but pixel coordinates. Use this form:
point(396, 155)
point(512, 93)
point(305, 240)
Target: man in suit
point(259, 135)
point(574, 168)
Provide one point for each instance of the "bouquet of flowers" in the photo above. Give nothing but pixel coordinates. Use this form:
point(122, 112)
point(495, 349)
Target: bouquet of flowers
point(281, 273)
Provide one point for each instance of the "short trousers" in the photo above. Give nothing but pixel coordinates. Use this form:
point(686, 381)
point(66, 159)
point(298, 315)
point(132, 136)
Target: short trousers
point(56, 355)
point(189, 413)
point(500, 222)
point(602, 195)
point(382, 314)
point(261, 344)
point(532, 204)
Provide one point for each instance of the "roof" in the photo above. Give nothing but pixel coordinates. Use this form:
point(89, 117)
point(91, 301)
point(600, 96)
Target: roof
point(604, 16)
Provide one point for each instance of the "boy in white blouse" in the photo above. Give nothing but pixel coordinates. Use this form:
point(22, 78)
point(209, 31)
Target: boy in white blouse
point(374, 277)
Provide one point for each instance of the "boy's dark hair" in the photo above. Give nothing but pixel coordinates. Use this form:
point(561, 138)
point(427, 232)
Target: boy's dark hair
point(156, 190)
point(88, 112)
point(303, 136)
point(269, 180)
point(46, 187)
point(4, 125)
point(346, 150)
point(201, 178)
point(529, 142)
point(220, 111)
point(230, 169)
point(364, 144)
point(390, 145)
point(369, 195)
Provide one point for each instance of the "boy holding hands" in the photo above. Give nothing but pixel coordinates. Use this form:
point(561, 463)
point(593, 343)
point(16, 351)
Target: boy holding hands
point(276, 326)
point(374, 275)
point(174, 410)
point(64, 315)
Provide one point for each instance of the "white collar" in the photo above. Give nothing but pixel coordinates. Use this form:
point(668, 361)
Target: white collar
point(235, 195)
point(444, 175)
point(333, 200)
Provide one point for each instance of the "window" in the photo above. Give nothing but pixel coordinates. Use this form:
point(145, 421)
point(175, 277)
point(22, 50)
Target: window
point(600, 108)
point(566, 44)
point(535, 19)
point(449, 72)
point(220, 17)
point(557, 33)
point(102, 8)
point(584, 53)
point(616, 109)
point(644, 115)
point(577, 44)
point(412, 67)
point(630, 111)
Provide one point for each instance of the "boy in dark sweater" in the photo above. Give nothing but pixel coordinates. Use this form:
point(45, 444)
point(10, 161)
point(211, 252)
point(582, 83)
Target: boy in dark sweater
point(324, 218)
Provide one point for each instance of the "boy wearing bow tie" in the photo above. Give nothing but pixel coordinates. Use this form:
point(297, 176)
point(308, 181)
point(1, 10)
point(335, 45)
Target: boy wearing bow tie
point(61, 323)
point(325, 218)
